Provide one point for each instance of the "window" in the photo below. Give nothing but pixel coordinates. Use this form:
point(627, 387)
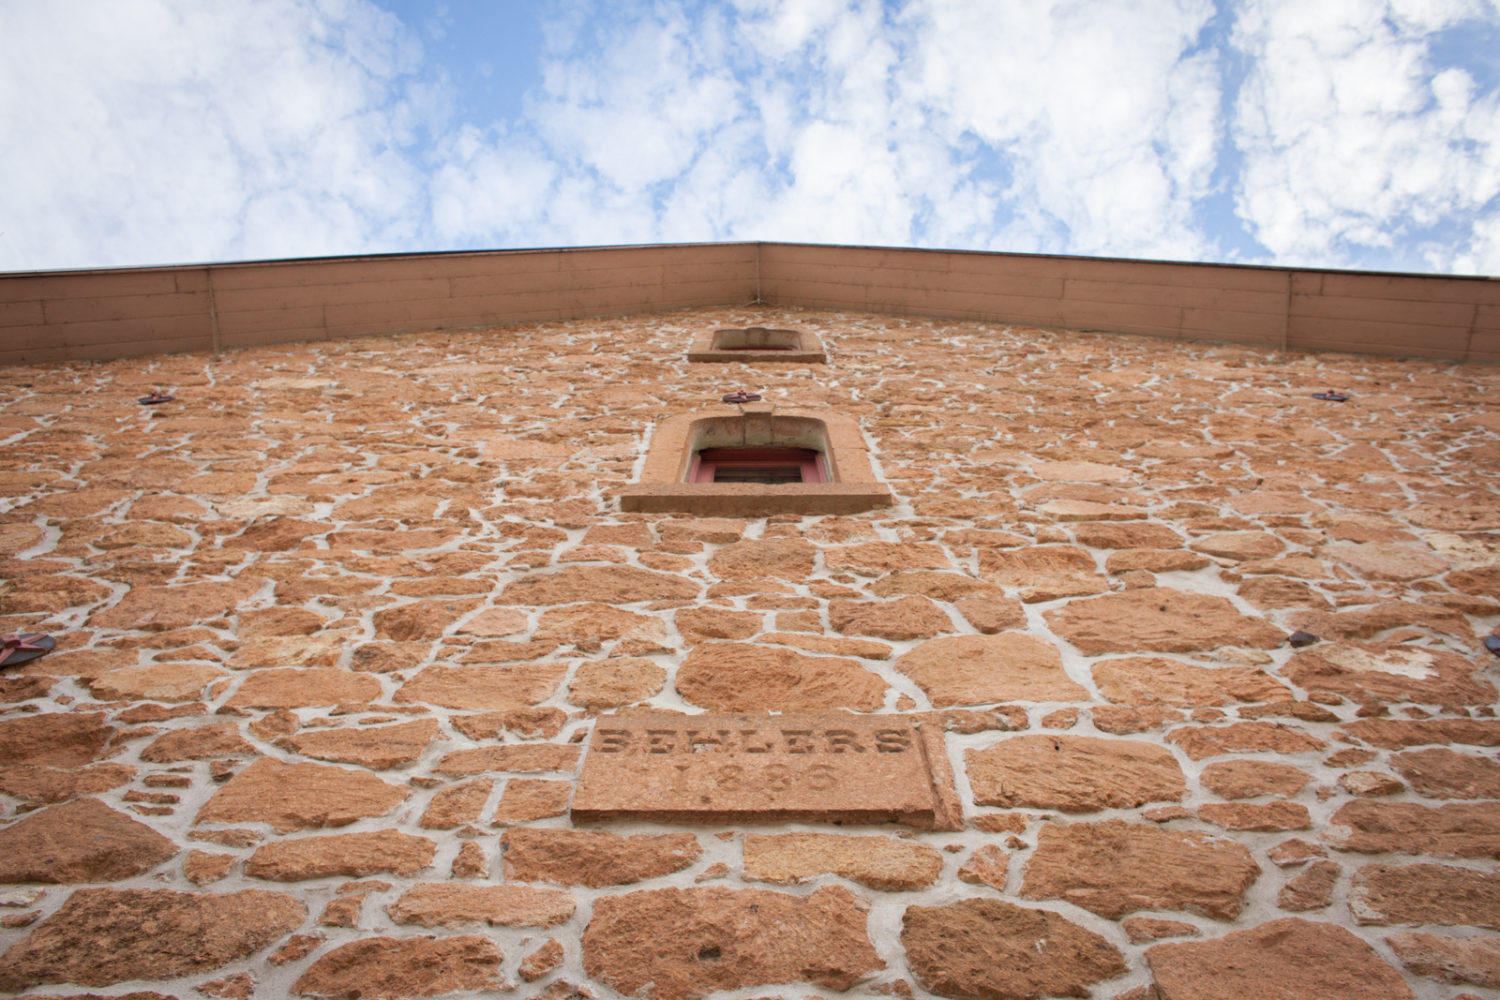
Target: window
point(755, 460)
point(758, 465)
point(756, 344)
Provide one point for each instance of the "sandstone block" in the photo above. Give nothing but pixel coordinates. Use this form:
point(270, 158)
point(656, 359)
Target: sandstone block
point(1389, 560)
point(1073, 773)
point(1152, 680)
point(936, 585)
point(457, 805)
point(525, 757)
point(588, 625)
point(1114, 868)
point(528, 799)
point(156, 682)
point(54, 739)
point(1453, 960)
point(1199, 742)
point(1444, 774)
point(447, 904)
point(201, 743)
point(1143, 929)
point(483, 688)
point(594, 858)
point(80, 841)
point(1425, 894)
point(104, 936)
point(1389, 672)
point(292, 687)
point(1248, 779)
point(1239, 545)
point(605, 584)
point(1043, 572)
point(903, 618)
point(1312, 889)
point(979, 669)
point(697, 624)
point(492, 623)
point(741, 677)
point(878, 862)
point(988, 865)
point(420, 619)
point(620, 680)
point(1455, 830)
point(1269, 816)
point(991, 614)
point(989, 948)
point(1397, 734)
point(880, 558)
point(376, 747)
point(542, 961)
point(156, 609)
point(1287, 959)
point(1159, 619)
point(397, 968)
point(300, 796)
point(783, 558)
point(682, 944)
point(353, 855)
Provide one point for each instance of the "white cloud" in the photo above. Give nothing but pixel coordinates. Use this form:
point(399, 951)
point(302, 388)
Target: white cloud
point(159, 130)
point(142, 131)
point(1355, 144)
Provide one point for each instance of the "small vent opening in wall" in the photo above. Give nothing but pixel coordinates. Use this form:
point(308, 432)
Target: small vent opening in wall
point(757, 338)
point(756, 344)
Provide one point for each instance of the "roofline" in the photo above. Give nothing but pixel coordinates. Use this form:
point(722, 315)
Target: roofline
point(1028, 255)
point(101, 313)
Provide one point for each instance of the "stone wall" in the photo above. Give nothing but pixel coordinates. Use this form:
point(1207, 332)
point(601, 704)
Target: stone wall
point(335, 626)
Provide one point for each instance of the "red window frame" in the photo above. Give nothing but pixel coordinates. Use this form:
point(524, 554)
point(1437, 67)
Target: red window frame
point(708, 462)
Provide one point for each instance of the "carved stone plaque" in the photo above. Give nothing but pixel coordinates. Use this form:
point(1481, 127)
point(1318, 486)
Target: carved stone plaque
point(834, 768)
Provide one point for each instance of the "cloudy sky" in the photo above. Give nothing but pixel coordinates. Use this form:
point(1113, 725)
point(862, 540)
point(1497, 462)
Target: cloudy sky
point(1326, 133)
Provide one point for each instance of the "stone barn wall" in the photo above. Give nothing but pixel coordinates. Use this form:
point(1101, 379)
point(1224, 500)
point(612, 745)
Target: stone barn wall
point(338, 627)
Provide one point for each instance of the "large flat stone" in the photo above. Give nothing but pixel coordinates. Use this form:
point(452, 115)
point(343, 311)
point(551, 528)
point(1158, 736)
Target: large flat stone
point(449, 904)
point(1159, 619)
point(594, 858)
point(1160, 680)
point(300, 796)
point(1073, 773)
point(1455, 830)
point(349, 855)
point(519, 685)
point(878, 862)
point(1287, 959)
point(105, 936)
point(1395, 672)
point(982, 669)
point(986, 948)
point(1426, 894)
point(1114, 868)
point(682, 944)
point(80, 841)
point(743, 677)
point(606, 584)
point(398, 968)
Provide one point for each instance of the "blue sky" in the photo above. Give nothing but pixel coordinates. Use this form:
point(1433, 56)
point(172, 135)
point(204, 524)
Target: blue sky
point(1323, 133)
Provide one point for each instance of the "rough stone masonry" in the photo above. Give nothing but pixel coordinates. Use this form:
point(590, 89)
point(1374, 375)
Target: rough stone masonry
point(336, 626)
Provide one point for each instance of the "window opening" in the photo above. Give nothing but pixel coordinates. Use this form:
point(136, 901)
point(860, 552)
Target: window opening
point(758, 465)
point(757, 338)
